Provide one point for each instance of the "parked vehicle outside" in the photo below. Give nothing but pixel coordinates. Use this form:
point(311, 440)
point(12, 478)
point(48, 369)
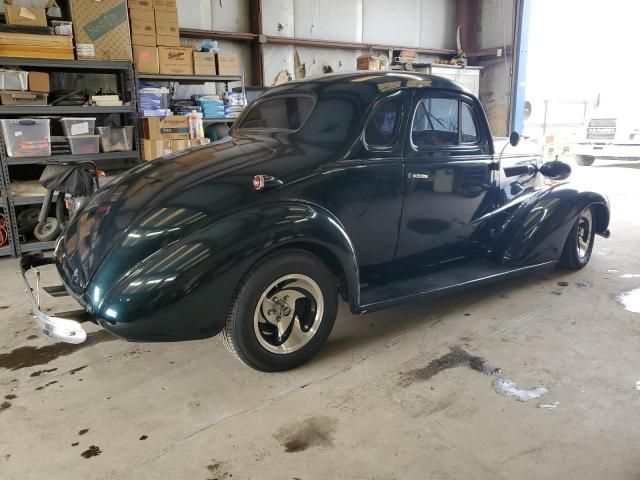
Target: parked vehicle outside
point(615, 137)
point(373, 187)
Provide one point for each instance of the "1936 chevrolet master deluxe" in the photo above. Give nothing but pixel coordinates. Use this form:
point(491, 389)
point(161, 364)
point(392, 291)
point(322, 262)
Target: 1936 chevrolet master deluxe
point(376, 187)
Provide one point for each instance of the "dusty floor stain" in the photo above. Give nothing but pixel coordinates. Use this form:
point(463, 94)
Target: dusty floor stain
point(83, 431)
point(92, 451)
point(11, 396)
point(23, 357)
point(76, 370)
point(508, 388)
point(48, 384)
point(143, 437)
point(563, 284)
point(630, 300)
point(218, 470)
point(75, 444)
point(584, 284)
point(315, 431)
point(32, 337)
point(4, 406)
point(40, 372)
point(457, 357)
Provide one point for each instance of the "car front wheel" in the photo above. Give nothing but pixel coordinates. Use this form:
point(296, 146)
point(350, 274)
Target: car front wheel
point(579, 244)
point(282, 312)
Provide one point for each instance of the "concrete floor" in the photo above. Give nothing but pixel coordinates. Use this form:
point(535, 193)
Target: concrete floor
point(360, 409)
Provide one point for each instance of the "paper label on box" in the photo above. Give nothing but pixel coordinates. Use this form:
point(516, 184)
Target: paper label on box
point(106, 22)
point(17, 134)
point(80, 128)
point(86, 50)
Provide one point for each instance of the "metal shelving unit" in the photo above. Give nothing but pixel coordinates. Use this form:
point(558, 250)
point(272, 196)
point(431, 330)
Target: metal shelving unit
point(71, 158)
point(127, 89)
point(186, 79)
point(195, 79)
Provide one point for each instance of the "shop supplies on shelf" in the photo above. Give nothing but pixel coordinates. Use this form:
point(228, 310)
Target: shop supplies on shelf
point(154, 101)
point(27, 137)
point(4, 231)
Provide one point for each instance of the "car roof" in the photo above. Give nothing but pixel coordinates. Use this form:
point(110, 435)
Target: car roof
point(380, 81)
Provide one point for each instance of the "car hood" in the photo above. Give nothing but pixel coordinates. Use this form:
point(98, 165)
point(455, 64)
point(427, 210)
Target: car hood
point(166, 200)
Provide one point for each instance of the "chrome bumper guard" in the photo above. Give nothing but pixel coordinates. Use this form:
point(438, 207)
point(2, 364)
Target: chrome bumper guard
point(56, 328)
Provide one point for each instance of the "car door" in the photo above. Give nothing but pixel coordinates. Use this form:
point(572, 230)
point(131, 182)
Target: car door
point(448, 180)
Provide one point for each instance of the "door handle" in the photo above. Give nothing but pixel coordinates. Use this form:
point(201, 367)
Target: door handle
point(418, 176)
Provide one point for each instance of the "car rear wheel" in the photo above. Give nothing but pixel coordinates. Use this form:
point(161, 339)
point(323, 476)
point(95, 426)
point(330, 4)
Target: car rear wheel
point(282, 312)
point(579, 245)
point(585, 160)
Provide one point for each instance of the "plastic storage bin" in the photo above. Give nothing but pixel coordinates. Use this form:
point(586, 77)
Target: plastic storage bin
point(27, 137)
point(13, 80)
point(115, 139)
point(78, 126)
point(23, 98)
point(82, 144)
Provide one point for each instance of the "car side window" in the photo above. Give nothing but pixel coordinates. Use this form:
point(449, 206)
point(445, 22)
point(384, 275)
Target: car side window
point(383, 124)
point(435, 122)
point(279, 113)
point(468, 130)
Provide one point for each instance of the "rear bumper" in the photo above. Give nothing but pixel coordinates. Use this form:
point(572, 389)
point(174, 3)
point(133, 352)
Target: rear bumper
point(56, 328)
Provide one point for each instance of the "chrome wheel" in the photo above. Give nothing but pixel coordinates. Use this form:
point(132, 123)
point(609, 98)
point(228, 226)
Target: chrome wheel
point(288, 314)
point(585, 224)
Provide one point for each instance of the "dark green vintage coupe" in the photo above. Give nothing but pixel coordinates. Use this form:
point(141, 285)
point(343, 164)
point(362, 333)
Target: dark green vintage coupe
point(375, 188)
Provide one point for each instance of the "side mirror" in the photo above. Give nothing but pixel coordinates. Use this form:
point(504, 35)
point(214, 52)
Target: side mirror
point(514, 139)
point(556, 170)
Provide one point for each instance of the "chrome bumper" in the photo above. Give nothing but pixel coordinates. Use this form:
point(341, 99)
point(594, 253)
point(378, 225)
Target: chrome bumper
point(61, 329)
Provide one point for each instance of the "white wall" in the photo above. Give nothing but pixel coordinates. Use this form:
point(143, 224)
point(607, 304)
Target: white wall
point(408, 23)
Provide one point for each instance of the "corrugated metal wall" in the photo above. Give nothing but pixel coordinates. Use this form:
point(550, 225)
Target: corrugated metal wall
point(411, 23)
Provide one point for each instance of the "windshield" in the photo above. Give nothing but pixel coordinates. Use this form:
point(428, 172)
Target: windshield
point(278, 113)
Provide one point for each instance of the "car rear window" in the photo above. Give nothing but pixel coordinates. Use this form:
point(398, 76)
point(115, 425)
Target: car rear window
point(280, 113)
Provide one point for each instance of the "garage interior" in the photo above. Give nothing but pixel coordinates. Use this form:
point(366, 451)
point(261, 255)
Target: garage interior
point(414, 391)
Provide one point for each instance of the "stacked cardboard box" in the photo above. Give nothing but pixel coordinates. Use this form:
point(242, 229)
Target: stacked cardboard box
point(156, 38)
point(102, 29)
point(163, 136)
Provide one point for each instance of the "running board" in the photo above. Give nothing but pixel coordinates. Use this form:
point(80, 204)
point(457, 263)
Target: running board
point(438, 283)
point(56, 291)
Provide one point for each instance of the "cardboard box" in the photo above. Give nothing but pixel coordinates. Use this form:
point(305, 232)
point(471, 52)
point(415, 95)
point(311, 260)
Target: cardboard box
point(102, 29)
point(144, 40)
point(30, 16)
point(176, 60)
point(142, 15)
point(145, 59)
point(166, 17)
point(368, 62)
point(177, 145)
point(142, 27)
point(173, 127)
point(168, 40)
point(165, 5)
point(141, 4)
point(204, 63)
point(39, 82)
point(167, 29)
point(152, 149)
point(227, 64)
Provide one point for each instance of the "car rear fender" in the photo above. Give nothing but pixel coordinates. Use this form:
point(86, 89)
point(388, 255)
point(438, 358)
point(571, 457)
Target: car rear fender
point(185, 290)
point(538, 229)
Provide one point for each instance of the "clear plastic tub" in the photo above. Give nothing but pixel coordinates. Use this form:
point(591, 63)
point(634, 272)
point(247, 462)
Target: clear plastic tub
point(13, 80)
point(27, 137)
point(83, 144)
point(115, 139)
point(78, 126)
